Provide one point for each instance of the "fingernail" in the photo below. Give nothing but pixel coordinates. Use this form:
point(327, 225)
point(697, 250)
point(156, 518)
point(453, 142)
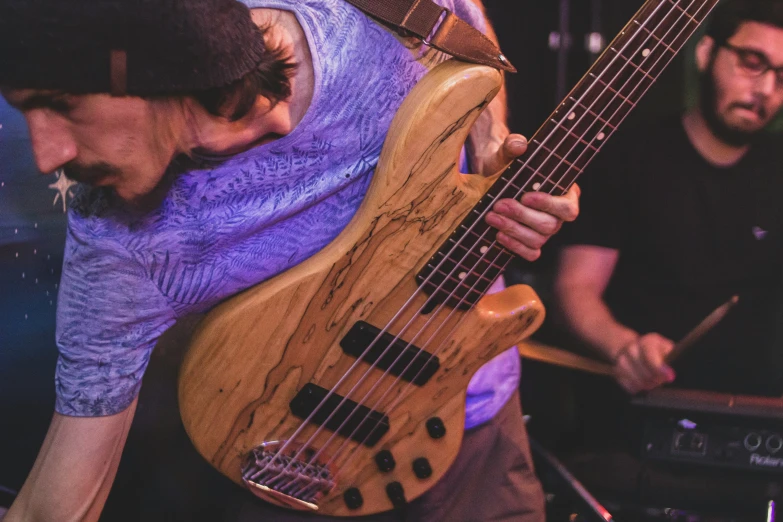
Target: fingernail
point(518, 143)
point(493, 219)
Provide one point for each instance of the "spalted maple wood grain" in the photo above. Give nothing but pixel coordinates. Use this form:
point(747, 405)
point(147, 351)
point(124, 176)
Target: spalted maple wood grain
point(252, 354)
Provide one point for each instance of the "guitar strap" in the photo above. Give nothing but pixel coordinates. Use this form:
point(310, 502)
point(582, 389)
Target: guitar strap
point(437, 27)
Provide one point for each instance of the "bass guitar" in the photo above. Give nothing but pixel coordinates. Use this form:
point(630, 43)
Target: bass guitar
point(339, 385)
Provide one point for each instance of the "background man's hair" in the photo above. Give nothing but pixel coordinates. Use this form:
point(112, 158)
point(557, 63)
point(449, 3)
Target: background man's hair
point(730, 14)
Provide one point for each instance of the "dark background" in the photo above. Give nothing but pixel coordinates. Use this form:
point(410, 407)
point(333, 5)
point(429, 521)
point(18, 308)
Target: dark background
point(32, 224)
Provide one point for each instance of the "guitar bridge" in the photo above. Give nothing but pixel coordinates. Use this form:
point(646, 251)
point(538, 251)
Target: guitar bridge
point(293, 479)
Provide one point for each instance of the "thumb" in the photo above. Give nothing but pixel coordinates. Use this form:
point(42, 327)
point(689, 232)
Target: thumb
point(513, 146)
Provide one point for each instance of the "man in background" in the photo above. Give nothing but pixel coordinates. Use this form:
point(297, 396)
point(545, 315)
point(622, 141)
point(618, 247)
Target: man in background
point(683, 213)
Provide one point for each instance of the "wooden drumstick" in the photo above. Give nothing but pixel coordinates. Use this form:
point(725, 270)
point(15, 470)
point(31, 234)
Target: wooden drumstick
point(702, 328)
point(548, 354)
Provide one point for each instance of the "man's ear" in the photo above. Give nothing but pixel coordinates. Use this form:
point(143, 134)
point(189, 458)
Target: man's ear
point(704, 50)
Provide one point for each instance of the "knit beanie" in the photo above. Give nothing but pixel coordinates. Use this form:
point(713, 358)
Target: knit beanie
point(136, 47)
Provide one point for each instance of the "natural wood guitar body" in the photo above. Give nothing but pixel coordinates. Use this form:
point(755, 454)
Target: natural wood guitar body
point(253, 354)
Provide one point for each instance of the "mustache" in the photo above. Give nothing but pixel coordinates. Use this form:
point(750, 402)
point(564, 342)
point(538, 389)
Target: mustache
point(758, 108)
point(89, 174)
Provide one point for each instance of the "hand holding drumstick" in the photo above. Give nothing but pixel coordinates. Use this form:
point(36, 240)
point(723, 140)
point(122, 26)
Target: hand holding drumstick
point(643, 364)
point(639, 366)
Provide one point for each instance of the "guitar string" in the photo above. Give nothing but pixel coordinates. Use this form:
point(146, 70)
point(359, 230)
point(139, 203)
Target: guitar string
point(496, 258)
point(634, 90)
point(634, 72)
point(408, 387)
point(530, 158)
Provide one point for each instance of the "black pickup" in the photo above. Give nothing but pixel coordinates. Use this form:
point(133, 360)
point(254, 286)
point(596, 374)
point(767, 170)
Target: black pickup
point(350, 419)
point(400, 358)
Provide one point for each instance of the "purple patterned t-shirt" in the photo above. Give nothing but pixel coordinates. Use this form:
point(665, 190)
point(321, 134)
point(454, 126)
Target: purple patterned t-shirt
point(225, 227)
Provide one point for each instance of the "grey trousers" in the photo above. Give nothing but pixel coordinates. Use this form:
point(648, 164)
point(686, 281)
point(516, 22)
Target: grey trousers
point(492, 479)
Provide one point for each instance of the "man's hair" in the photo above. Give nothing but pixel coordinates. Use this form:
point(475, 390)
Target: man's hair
point(270, 79)
point(730, 14)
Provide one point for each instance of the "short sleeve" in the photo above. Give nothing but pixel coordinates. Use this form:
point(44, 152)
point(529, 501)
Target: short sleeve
point(109, 316)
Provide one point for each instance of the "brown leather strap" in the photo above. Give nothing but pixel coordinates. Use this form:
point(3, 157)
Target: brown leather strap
point(439, 28)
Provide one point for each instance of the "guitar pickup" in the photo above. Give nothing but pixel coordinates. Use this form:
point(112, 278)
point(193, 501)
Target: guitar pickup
point(387, 352)
point(350, 419)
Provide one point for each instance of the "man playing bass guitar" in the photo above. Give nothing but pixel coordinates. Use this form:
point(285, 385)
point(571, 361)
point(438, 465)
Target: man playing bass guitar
point(218, 144)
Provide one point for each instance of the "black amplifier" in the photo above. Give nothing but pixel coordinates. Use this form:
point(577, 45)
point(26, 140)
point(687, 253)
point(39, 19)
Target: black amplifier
point(696, 427)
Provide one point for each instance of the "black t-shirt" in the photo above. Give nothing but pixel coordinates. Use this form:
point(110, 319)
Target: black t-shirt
point(690, 236)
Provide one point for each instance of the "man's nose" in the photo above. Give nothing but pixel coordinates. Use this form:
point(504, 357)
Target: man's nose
point(53, 144)
point(767, 83)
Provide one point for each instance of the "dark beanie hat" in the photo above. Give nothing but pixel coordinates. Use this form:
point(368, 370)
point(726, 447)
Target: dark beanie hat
point(151, 47)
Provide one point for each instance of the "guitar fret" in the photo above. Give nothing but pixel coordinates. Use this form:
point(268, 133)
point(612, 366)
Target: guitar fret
point(629, 62)
point(616, 94)
point(489, 250)
point(578, 139)
point(464, 276)
point(686, 13)
point(545, 180)
point(478, 260)
point(602, 106)
point(568, 131)
point(654, 37)
point(563, 160)
point(561, 150)
point(464, 280)
point(612, 90)
point(537, 178)
point(472, 233)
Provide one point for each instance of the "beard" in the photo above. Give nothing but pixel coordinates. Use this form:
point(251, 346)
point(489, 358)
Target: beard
point(725, 132)
point(90, 174)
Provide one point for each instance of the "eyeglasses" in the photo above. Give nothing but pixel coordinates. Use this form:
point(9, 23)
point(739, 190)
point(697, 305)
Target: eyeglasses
point(754, 64)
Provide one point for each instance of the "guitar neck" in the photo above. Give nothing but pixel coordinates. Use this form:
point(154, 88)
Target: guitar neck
point(572, 135)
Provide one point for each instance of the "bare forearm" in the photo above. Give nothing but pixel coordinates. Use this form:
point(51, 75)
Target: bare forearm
point(74, 471)
point(588, 316)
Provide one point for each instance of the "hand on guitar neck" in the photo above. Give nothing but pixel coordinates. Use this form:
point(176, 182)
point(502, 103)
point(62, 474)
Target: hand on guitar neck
point(526, 225)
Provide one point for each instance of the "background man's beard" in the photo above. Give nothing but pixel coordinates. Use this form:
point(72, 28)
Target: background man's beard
point(90, 174)
point(708, 100)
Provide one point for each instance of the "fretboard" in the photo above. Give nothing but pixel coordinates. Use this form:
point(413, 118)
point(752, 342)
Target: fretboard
point(470, 260)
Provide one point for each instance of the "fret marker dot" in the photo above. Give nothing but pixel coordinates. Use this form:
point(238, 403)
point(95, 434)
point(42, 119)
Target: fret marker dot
point(646, 53)
point(484, 250)
point(601, 136)
point(571, 116)
point(463, 275)
point(537, 186)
